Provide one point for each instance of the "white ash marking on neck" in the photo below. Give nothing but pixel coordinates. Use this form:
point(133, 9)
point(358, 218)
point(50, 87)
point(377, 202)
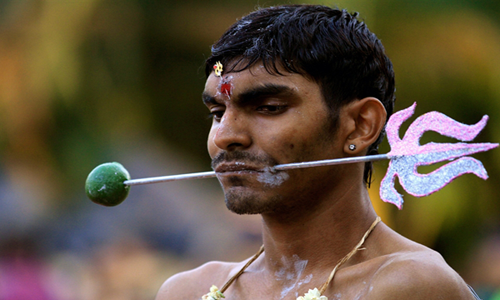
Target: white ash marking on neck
point(291, 274)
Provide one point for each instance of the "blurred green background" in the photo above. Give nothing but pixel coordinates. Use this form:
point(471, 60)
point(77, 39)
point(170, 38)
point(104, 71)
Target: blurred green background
point(84, 82)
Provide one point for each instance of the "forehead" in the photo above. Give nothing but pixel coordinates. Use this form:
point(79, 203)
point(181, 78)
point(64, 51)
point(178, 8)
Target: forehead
point(257, 76)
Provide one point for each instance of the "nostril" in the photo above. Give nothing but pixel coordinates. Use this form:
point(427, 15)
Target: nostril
point(233, 146)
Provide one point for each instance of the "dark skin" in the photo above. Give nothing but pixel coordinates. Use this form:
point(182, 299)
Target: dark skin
point(312, 217)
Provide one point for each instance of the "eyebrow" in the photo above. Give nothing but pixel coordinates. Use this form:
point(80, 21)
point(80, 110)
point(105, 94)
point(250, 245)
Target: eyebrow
point(264, 91)
point(255, 93)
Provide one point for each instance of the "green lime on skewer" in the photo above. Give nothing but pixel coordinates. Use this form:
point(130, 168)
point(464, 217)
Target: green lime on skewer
point(105, 184)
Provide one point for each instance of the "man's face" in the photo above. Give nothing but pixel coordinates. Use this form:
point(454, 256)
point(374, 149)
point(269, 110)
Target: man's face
point(261, 120)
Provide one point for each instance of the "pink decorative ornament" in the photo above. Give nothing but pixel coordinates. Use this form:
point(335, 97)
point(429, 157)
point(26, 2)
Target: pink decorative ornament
point(407, 154)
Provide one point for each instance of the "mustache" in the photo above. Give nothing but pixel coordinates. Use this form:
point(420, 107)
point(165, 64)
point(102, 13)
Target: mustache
point(245, 157)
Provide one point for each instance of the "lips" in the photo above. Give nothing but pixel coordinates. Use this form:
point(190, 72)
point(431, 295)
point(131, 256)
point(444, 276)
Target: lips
point(237, 167)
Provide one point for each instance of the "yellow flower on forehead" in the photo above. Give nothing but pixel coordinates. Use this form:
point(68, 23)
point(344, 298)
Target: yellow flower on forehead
point(313, 295)
point(218, 69)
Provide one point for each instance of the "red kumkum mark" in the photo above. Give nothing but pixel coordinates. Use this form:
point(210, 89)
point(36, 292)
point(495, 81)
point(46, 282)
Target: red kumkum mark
point(226, 88)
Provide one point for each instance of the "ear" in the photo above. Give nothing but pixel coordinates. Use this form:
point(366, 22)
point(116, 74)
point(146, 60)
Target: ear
point(365, 120)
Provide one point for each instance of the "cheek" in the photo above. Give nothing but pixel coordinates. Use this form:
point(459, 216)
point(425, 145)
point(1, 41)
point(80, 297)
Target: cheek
point(303, 143)
point(284, 145)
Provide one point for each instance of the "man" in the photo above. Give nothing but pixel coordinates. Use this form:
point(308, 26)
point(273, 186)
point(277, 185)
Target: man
point(303, 83)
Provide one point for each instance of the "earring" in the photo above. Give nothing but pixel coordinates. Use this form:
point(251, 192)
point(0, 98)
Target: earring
point(352, 147)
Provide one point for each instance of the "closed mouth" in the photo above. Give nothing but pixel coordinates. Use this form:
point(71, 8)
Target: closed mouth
point(238, 167)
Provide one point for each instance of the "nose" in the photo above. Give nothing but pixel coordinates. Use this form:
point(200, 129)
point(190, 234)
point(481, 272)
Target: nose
point(232, 132)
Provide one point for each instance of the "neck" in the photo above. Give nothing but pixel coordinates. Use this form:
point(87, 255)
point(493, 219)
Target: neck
point(314, 241)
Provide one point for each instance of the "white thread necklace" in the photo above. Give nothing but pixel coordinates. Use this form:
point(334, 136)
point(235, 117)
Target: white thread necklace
point(315, 294)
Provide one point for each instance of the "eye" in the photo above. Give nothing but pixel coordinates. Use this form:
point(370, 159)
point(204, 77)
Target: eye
point(272, 109)
point(216, 114)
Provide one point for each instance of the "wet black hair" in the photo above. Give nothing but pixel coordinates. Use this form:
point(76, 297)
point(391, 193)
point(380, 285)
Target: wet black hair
point(328, 45)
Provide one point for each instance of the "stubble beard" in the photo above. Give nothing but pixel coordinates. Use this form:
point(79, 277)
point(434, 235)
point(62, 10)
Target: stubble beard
point(240, 198)
point(247, 204)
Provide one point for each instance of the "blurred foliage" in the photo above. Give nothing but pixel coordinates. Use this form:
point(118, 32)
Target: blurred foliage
point(80, 81)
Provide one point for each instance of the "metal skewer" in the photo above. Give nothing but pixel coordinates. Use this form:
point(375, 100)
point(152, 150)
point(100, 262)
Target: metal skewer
point(309, 164)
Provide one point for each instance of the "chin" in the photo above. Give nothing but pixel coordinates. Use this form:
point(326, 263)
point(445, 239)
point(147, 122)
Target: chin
point(247, 203)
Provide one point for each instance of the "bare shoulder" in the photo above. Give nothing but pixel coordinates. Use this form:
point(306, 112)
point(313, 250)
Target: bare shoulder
point(417, 272)
point(193, 284)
